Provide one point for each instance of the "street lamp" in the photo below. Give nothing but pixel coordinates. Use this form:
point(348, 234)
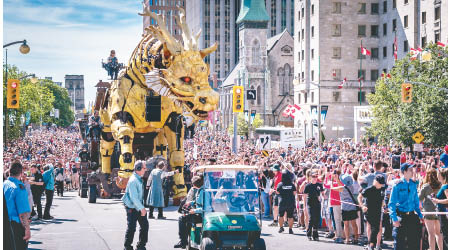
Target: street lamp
point(24, 49)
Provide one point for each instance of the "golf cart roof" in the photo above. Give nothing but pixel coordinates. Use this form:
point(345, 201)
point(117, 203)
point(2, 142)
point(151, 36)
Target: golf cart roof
point(210, 168)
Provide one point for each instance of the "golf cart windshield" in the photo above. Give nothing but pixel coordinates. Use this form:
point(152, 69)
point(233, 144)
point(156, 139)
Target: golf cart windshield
point(231, 191)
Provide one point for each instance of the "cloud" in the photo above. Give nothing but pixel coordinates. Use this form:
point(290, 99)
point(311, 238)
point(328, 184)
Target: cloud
point(61, 44)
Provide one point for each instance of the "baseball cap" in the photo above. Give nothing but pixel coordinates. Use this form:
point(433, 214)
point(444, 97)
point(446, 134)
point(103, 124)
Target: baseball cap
point(405, 166)
point(380, 179)
point(346, 179)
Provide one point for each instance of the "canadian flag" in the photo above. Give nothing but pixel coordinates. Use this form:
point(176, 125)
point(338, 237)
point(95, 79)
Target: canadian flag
point(414, 53)
point(365, 51)
point(340, 86)
point(440, 44)
point(386, 75)
point(294, 110)
point(287, 111)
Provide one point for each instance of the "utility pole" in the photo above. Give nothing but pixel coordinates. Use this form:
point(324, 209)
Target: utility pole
point(319, 112)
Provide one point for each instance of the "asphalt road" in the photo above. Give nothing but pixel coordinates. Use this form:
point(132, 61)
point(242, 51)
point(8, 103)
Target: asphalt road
point(101, 226)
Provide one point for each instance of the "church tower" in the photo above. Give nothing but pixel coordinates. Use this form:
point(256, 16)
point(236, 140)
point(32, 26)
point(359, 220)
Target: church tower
point(253, 72)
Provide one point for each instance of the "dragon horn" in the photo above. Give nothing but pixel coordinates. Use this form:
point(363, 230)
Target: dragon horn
point(209, 50)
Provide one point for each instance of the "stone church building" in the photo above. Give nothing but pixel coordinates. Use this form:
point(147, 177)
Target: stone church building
point(265, 65)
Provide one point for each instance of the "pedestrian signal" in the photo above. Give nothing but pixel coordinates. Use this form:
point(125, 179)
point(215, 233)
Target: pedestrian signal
point(238, 99)
point(406, 92)
point(12, 94)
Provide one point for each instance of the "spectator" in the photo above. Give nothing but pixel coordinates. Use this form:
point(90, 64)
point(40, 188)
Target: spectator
point(349, 211)
point(18, 206)
point(37, 188)
point(49, 182)
point(442, 203)
point(312, 192)
point(286, 190)
point(155, 196)
point(60, 177)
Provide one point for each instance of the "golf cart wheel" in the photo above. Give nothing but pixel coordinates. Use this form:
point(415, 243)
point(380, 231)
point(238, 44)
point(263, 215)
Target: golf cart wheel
point(207, 244)
point(92, 193)
point(259, 244)
point(188, 246)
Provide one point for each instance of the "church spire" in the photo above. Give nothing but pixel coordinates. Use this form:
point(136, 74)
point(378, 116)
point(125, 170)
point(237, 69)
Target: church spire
point(253, 13)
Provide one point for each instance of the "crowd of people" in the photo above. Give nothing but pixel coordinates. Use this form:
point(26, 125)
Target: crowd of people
point(357, 193)
point(35, 165)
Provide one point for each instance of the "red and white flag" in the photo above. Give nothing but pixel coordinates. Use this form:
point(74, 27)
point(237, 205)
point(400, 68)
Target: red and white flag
point(340, 86)
point(287, 111)
point(440, 44)
point(395, 48)
point(419, 49)
point(294, 111)
point(386, 75)
point(414, 53)
point(365, 51)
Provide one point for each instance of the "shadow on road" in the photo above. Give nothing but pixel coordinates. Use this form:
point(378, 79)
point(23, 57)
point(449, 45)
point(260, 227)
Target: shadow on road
point(54, 221)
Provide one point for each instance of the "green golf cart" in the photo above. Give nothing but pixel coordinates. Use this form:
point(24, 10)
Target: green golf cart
point(231, 215)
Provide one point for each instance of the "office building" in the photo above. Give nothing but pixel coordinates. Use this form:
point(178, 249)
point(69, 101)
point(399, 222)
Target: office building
point(75, 86)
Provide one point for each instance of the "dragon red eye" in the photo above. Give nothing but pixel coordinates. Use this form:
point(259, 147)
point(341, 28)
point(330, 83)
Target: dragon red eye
point(186, 79)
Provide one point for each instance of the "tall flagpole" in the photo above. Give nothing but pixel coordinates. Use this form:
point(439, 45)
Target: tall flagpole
point(360, 74)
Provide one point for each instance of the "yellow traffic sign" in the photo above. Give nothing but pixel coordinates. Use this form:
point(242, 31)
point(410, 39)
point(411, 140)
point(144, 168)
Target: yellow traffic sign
point(265, 153)
point(418, 137)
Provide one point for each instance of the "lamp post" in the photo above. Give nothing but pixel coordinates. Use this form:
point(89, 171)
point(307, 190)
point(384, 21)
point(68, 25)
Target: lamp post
point(24, 49)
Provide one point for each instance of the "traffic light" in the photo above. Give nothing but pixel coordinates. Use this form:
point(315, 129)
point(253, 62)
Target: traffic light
point(406, 92)
point(12, 94)
point(238, 99)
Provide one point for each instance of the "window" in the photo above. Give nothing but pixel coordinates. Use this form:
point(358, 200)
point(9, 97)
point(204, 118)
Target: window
point(384, 29)
point(336, 30)
point(384, 6)
point(437, 13)
point(424, 41)
point(256, 55)
point(437, 37)
point(312, 97)
point(303, 54)
point(303, 74)
point(312, 54)
point(299, 98)
point(303, 12)
point(406, 1)
point(361, 96)
point(306, 97)
point(360, 55)
point(424, 17)
point(312, 31)
point(393, 48)
point(362, 8)
point(394, 25)
point(361, 30)
point(336, 74)
point(336, 8)
point(299, 56)
point(374, 53)
point(384, 52)
point(385, 70)
point(374, 8)
point(374, 74)
point(394, 4)
point(303, 34)
point(299, 16)
point(312, 9)
point(258, 95)
point(374, 30)
point(405, 46)
point(312, 75)
point(361, 74)
point(337, 96)
point(337, 52)
point(405, 21)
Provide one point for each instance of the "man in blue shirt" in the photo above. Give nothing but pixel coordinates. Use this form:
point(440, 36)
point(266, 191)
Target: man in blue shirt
point(405, 212)
point(16, 197)
point(133, 200)
point(49, 183)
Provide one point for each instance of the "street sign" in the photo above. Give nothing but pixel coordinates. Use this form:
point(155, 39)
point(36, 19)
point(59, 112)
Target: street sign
point(264, 142)
point(418, 148)
point(265, 153)
point(418, 137)
point(251, 94)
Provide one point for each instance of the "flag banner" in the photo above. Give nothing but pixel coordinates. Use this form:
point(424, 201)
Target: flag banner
point(341, 85)
point(395, 48)
point(323, 114)
point(365, 51)
point(440, 44)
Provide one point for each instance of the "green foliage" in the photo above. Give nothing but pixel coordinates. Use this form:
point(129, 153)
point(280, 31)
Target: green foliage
point(38, 99)
point(428, 112)
point(242, 124)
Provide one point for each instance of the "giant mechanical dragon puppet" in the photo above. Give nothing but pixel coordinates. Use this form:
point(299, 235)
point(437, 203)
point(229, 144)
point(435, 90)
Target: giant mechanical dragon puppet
point(172, 74)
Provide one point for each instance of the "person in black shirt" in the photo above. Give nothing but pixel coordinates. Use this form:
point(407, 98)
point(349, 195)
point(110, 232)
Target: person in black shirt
point(37, 188)
point(286, 189)
point(374, 196)
point(313, 191)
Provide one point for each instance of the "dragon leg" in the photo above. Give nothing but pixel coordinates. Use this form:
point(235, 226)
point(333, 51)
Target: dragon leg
point(160, 145)
point(174, 132)
point(106, 150)
point(125, 134)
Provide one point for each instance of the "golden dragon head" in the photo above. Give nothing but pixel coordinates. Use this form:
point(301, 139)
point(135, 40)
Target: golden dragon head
point(173, 68)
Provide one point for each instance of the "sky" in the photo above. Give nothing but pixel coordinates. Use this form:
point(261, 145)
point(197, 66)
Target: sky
point(71, 36)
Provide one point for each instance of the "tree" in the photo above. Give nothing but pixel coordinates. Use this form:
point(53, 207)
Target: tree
point(62, 103)
point(428, 111)
point(242, 124)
